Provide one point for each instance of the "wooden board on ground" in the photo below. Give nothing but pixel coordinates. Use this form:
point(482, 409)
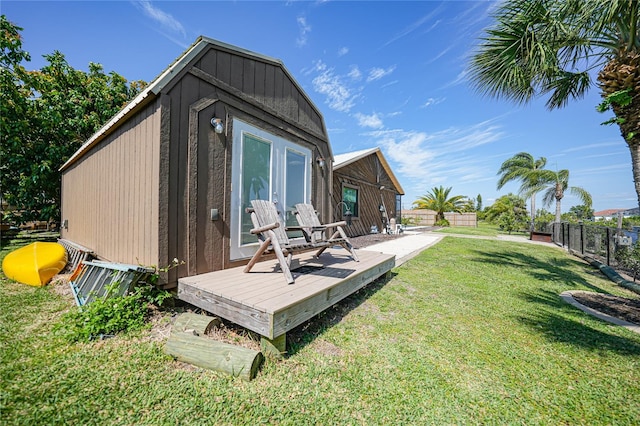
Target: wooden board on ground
point(213, 355)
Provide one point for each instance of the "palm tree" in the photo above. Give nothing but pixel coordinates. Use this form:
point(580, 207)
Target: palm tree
point(550, 47)
point(438, 200)
point(554, 184)
point(522, 167)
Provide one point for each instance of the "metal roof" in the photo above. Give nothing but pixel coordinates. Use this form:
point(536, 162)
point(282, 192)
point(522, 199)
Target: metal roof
point(155, 87)
point(342, 160)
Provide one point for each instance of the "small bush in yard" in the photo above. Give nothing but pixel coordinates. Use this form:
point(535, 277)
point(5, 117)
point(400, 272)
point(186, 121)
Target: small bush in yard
point(442, 222)
point(111, 315)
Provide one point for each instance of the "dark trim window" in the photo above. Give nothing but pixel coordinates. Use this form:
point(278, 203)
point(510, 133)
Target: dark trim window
point(350, 199)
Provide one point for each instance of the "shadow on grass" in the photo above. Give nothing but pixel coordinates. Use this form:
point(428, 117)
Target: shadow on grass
point(551, 319)
point(304, 334)
point(557, 328)
point(557, 270)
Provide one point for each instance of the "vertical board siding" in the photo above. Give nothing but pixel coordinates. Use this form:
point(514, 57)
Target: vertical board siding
point(367, 175)
point(264, 82)
point(109, 198)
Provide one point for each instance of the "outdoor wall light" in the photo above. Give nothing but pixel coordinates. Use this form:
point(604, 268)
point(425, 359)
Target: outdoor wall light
point(347, 212)
point(320, 162)
point(348, 215)
point(217, 125)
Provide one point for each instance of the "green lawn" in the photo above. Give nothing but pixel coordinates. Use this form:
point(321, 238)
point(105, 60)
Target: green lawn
point(470, 331)
point(483, 229)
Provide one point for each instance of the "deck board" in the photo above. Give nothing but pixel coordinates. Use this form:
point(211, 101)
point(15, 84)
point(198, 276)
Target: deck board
point(262, 301)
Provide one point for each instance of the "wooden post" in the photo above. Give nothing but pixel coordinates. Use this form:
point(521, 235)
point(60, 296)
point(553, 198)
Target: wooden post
point(274, 347)
point(608, 242)
point(213, 355)
point(198, 324)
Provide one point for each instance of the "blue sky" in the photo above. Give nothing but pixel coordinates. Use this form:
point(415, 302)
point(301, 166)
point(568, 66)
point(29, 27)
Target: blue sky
point(387, 74)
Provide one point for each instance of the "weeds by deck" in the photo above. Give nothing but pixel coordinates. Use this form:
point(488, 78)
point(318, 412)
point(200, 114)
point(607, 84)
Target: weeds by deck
point(470, 331)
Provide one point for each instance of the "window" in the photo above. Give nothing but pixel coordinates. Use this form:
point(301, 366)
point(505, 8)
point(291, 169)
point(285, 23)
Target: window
point(350, 199)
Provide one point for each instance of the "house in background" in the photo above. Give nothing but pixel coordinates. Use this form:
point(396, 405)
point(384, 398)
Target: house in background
point(169, 177)
point(365, 187)
point(607, 214)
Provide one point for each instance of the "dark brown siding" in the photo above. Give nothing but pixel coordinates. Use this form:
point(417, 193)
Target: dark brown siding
point(266, 84)
point(367, 175)
point(226, 85)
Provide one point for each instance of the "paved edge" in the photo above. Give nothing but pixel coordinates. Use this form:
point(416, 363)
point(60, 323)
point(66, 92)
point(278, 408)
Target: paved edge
point(414, 253)
point(567, 296)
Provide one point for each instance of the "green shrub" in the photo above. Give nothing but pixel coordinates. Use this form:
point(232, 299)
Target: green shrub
point(442, 222)
point(409, 221)
point(110, 316)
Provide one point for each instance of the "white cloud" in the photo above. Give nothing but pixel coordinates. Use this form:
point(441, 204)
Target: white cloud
point(431, 159)
point(441, 54)
point(373, 121)
point(460, 78)
point(343, 51)
point(594, 146)
point(338, 95)
point(391, 83)
point(414, 26)
point(378, 73)
point(304, 29)
point(355, 73)
point(163, 18)
point(608, 154)
point(433, 101)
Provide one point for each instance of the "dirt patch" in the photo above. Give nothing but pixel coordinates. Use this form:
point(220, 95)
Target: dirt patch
point(370, 239)
point(615, 306)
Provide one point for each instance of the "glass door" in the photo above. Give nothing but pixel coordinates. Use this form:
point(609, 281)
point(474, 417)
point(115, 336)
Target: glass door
point(265, 167)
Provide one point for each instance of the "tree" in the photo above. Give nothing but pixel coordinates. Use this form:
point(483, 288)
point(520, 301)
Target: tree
point(46, 116)
point(582, 212)
point(438, 200)
point(479, 203)
point(554, 184)
point(468, 205)
point(522, 167)
point(543, 219)
point(14, 97)
point(508, 211)
point(550, 48)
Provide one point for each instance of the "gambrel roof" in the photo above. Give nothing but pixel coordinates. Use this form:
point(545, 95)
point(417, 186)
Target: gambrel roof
point(166, 77)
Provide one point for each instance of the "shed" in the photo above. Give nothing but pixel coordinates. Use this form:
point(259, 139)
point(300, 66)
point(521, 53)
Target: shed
point(169, 176)
point(364, 183)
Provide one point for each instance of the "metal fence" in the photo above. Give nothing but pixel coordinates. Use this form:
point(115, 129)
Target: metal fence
point(598, 242)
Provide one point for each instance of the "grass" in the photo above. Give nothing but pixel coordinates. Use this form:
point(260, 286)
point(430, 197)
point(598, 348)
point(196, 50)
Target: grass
point(470, 331)
point(483, 229)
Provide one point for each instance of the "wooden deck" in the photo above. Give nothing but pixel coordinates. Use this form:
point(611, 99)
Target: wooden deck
point(262, 301)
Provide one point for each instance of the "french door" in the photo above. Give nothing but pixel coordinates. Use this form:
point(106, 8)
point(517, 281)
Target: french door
point(264, 167)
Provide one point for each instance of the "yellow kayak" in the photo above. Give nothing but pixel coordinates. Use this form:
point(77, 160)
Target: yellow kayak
point(35, 264)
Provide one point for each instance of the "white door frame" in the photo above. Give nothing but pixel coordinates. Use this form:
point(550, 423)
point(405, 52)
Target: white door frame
point(277, 187)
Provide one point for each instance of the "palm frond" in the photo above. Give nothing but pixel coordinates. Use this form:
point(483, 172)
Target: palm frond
point(566, 86)
point(549, 47)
